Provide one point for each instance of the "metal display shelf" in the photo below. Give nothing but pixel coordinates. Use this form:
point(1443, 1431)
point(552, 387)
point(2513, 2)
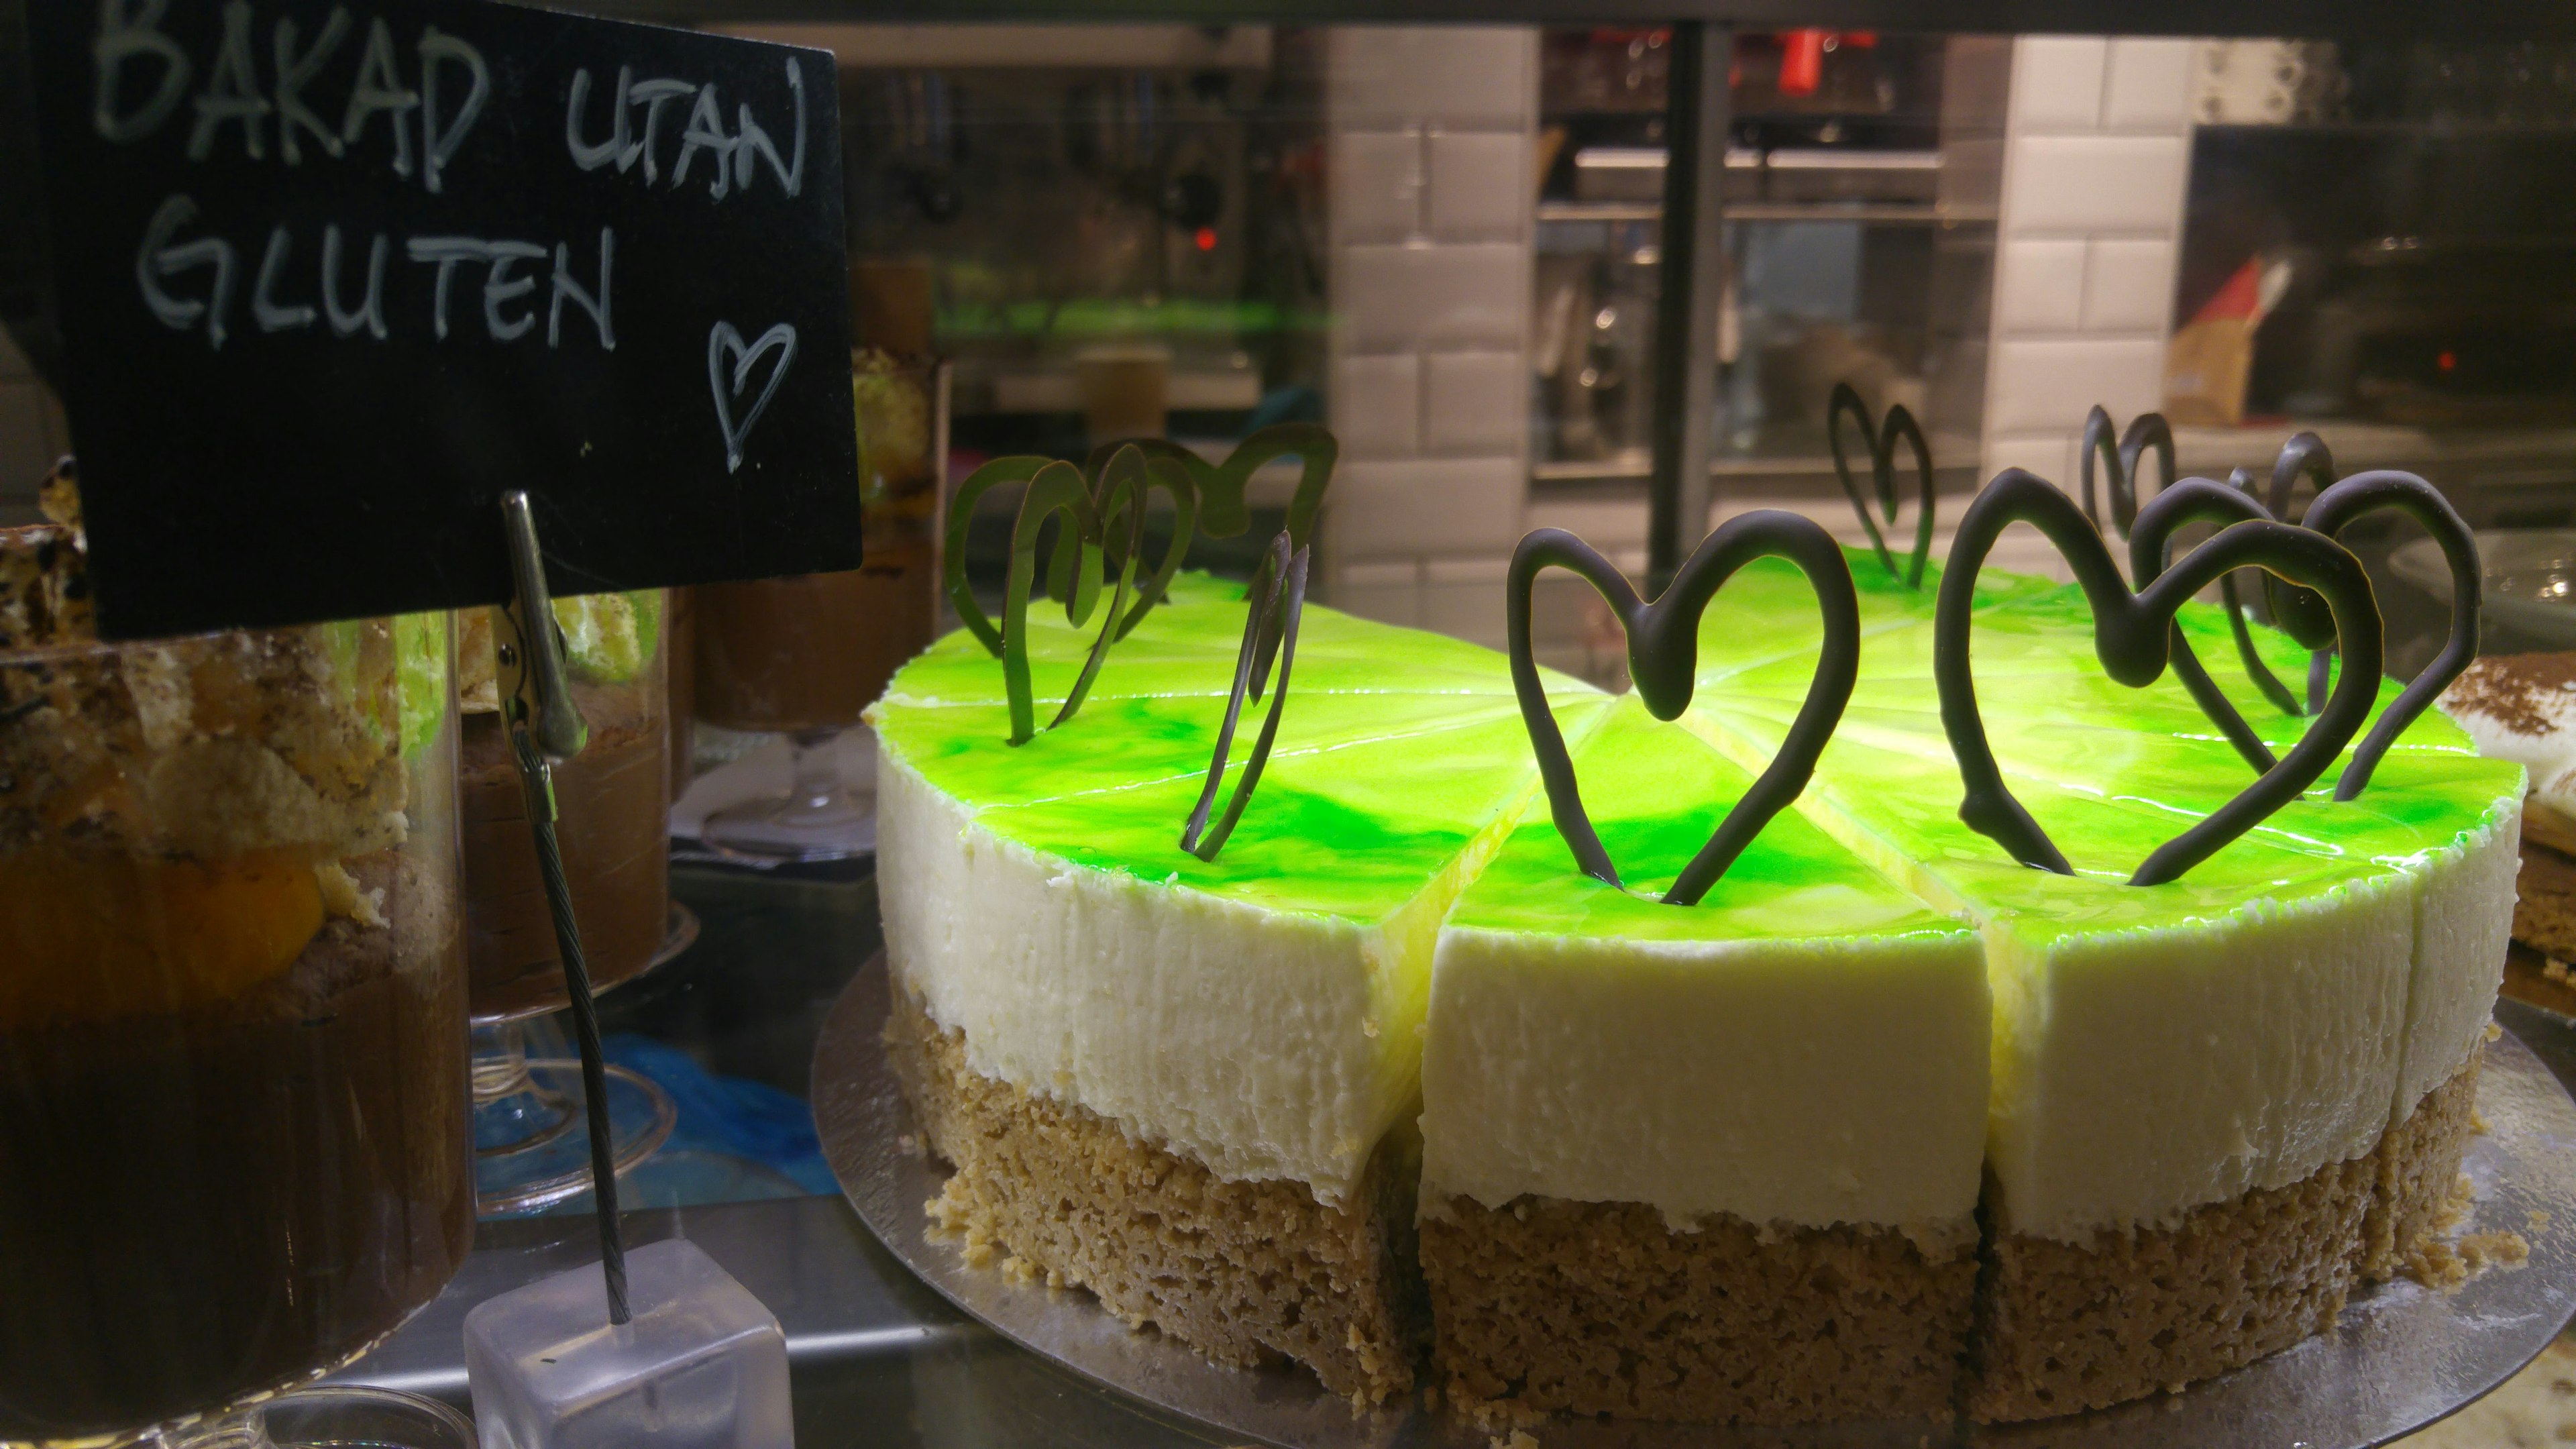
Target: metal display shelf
point(2462, 20)
point(878, 1358)
point(2399, 1357)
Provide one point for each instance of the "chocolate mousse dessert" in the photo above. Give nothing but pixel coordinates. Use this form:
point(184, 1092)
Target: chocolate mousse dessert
point(612, 805)
point(805, 655)
point(233, 1147)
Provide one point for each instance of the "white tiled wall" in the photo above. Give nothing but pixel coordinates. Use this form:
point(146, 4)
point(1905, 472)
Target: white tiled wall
point(1431, 219)
point(2097, 151)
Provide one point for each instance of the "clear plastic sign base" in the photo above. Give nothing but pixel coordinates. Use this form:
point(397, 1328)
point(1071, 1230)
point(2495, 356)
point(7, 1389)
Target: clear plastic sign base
point(702, 1365)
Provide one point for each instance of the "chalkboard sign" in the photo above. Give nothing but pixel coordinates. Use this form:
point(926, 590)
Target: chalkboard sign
point(335, 275)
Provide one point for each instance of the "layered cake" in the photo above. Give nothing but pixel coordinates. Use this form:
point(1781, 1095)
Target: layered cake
point(2218, 1104)
point(1796, 1238)
point(232, 1010)
point(2522, 707)
point(612, 801)
point(1887, 1123)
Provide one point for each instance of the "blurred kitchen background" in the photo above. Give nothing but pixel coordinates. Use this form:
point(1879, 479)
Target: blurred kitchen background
point(1444, 242)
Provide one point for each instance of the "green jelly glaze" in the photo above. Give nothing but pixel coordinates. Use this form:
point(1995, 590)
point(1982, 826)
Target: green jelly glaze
point(1116, 743)
point(1655, 791)
point(1401, 750)
point(1188, 647)
point(1894, 793)
point(1397, 753)
point(1355, 831)
point(1768, 611)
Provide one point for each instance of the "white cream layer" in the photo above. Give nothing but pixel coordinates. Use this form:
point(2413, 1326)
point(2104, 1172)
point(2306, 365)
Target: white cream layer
point(2146, 1072)
point(1804, 1084)
point(2462, 931)
point(1248, 1040)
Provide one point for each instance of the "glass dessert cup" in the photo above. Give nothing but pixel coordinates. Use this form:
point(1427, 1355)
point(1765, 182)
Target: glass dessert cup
point(805, 656)
point(233, 1150)
point(613, 804)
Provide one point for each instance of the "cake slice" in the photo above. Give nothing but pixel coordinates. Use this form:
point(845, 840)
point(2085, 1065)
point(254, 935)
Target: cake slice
point(1188, 1085)
point(1712, 1163)
point(2210, 1111)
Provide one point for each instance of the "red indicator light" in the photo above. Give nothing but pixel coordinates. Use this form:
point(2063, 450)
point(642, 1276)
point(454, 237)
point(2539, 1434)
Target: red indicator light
point(2447, 360)
point(1207, 242)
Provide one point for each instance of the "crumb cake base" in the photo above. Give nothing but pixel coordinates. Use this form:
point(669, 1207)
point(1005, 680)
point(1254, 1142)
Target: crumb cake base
point(2064, 1327)
point(1243, 1272)
point(1601, 1308)
point(2418, 1166)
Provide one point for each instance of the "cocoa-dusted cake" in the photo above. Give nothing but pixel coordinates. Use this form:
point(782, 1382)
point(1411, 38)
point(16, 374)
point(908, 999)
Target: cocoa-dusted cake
point(2522, 707)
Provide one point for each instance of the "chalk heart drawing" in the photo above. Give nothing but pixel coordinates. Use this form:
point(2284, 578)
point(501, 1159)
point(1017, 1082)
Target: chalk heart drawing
point(726, 354)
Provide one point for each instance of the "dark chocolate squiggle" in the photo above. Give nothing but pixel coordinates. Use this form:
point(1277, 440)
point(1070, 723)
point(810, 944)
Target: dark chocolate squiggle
point(2130, 635)
point(1663, 660)
point(1059, 488)
point(2303, 453)
point(1112, 485)
point(1882, 463)
point(2302, 613)
point(998, 473)
point(1274, 612)
point(2120, 463)
point(1220, 487)
point(2197, 500)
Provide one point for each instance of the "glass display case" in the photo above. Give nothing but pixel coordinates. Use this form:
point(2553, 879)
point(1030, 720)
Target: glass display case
point(1462, 242)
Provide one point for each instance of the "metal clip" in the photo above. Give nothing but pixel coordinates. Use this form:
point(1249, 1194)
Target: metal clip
point(546, 729)
point(535, 691)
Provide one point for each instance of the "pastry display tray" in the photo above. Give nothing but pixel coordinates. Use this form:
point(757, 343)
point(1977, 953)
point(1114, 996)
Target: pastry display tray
point(2400, 1357)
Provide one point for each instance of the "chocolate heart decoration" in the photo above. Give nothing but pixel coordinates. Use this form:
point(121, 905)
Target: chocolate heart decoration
point(2199, 500)
point(2301, 613)
point(2319, 466)
point(1663, 658)
point(998, 473)
point(2120, 463)
point(1089, 509)
point(1882, 465)
point(1164, 470)
point(1222, 512)
point(1059, 488)
point(2131, 632)
point(1274, 610)
point(2303, 453)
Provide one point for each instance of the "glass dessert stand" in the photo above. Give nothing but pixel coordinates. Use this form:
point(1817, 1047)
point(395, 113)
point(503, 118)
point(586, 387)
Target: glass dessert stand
point(2400, 1357)
point(613, 802)
point(531, 1143)
point(334, 1416)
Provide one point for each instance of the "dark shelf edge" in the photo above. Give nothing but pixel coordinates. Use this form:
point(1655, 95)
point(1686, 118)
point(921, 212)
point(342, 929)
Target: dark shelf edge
point(2462, 20)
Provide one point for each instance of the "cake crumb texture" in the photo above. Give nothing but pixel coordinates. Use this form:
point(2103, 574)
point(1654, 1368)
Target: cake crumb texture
point(2447, 1266)
point(1602, 1308)
point(2065, 1328)
point(2418, 1169)
point(1241, 1271)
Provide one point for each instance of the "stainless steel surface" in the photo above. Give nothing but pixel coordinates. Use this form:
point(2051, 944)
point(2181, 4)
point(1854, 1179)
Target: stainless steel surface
point(2400, 1357)
point(2530, 580)
point(1601, 210)
point(1892, 213)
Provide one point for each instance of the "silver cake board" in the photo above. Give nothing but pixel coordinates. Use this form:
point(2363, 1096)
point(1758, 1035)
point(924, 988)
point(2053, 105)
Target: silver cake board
point(2400, 1357)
